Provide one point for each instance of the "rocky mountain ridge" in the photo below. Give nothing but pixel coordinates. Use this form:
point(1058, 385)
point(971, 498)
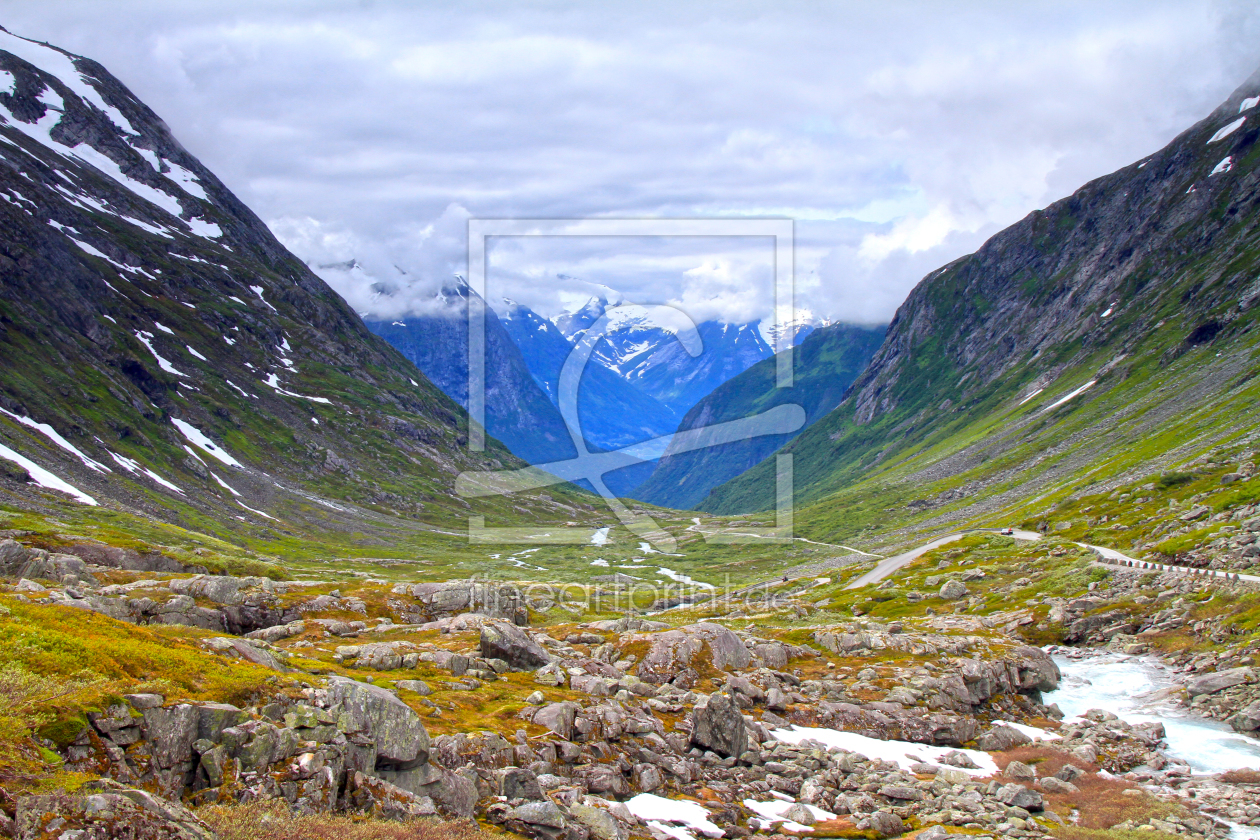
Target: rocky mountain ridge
point(166, 355)
point(1082, 315)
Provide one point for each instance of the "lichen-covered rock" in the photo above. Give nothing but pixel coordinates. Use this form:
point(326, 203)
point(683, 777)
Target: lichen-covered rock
point(672, 652)
point(379, 798)
point(559, 718)
point(396, 730)
point(106, 811)
point(501, 640)
point(717, 725)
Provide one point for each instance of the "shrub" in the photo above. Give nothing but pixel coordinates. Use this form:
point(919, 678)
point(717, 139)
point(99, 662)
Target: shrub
point(1173, 479)
point(29, 701)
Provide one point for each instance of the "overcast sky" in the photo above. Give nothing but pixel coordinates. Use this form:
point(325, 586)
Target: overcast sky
point(897, 135)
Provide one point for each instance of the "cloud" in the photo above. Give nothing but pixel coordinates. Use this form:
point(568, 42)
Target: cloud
point(897, 135)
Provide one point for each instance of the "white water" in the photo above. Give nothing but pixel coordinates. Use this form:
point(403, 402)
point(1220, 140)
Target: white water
point(1140, 690)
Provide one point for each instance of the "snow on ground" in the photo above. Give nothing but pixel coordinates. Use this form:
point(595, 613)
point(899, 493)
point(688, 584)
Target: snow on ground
point(772, 812)
point(8, 82)
point(904, 753)
point(1031, 731)
point(106, 166)
point(57, 63)
point(600, 562)
point(1029, 397)
point(195, 354)
point(199, 440)
point(647, 549)
point(600, 537)
point(1248, 104)
point(1224, 166)
point(1227, 130)
point(679, 577)
point(258, 290)
point(206, 230)
point(1072, 395)
point(51, 433)
point(675, 817)
point(140, 469)
point(164, 328)
point(146, 338)
point(43, 477)
point(224, 485)
point(272, 381)
point(238, 388)
point(184, 179)
point(258, 512)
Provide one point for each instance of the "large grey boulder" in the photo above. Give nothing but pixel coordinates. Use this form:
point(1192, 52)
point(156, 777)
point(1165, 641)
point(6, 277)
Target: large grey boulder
point(452, 793)
point(1218, 681)
point(1000, 738)
point(559, 718)
point(1247, 720)
point(1036, 670)
point(501, 640)
point(953, 590)
point(381, 799)
point(717, 725)
point(1018, 796)
point(16, 560)
point(673, 651)
point(396, 730)
point(887, 824)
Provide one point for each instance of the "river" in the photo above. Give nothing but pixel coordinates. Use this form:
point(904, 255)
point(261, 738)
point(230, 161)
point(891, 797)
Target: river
point(1143, 689)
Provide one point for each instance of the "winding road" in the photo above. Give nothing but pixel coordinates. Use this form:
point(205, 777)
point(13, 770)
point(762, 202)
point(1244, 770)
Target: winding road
point(1109, 557)
point(892, 564)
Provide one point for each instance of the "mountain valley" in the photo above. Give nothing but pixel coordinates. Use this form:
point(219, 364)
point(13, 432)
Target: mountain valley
point(245, 591)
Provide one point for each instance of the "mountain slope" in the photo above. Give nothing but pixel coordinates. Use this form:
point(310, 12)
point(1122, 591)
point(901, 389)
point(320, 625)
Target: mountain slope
point(826, 363)
point(166, 356)
point(517, 412)
point(1105, 337)
point(641, 346)
point(612, 412)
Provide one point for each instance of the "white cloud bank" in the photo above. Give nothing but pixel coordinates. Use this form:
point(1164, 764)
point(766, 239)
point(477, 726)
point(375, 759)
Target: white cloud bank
point(899, 135)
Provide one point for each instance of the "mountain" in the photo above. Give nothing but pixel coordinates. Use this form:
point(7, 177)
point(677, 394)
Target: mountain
point(641, 345)
point(517, 411)
point(613, 413)
point(1107, 337)
point(825, 364)
point(164, 355)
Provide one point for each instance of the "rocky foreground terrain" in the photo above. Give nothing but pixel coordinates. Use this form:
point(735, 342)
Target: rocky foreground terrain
point(473, 700)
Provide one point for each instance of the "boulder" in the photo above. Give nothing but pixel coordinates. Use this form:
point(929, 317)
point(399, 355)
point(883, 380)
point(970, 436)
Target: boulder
point(672, 652)
point(601, 824)
point(453, 794)
point(106, 810)
point(717, 725)
point(381, 799)
point(953, 590)
point(887, 824)
point(16, 560)
point(1001, 738)
point(1019, 771)
point(559, 718)
point(1247, 720)
point(1218, 681)
point(501, 640)
point(1018, 796)
point(397, 731)
point(800, 814)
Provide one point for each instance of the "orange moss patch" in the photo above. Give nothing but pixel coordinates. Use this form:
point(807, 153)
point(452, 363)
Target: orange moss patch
point(272, 820)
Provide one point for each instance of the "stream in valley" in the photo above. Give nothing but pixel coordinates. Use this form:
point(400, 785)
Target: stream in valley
point(1143, 689)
